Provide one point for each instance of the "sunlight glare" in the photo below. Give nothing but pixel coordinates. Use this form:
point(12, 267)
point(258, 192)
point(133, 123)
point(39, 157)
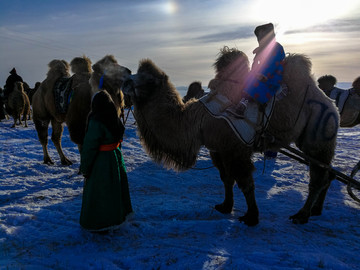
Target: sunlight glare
point(301, 14)
point(170, 7)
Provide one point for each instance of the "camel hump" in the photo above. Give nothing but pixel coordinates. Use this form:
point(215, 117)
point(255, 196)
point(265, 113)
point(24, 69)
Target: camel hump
point(296, 67)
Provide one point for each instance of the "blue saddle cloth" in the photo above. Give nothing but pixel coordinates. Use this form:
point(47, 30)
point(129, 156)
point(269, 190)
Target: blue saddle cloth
point(62, 94)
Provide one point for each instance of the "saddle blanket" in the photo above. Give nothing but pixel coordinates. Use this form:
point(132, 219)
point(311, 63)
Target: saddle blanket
point(340, 96)
point(247, 128)
point(62, 94)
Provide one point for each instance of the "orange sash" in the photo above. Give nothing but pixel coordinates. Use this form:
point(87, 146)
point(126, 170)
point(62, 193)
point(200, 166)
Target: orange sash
point(109, 147)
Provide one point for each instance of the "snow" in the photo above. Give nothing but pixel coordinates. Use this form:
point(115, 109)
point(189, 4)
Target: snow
point(174, 224)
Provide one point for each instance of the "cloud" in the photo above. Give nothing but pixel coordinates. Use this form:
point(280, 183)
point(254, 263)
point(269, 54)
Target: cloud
point(341, 25)
point(242, 32)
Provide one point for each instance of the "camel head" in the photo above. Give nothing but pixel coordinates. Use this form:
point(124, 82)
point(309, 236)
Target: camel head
point(59, 68)
point(81, 65)
point(108, 74)
point(141, 86)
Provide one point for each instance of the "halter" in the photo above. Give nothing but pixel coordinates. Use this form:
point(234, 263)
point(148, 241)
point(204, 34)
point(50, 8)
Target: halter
point(101, 82)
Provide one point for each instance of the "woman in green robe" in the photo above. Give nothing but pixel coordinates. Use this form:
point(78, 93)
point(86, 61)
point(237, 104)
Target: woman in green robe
point(106, 199)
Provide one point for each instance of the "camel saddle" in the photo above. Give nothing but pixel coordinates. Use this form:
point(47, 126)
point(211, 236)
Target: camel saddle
point(340, 96)
point(248, 129)
point(63, 94)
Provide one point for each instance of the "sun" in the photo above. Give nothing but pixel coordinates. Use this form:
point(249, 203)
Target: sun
point(170, 7)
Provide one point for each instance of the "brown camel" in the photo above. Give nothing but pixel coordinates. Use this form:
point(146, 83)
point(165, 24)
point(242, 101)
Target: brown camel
point(19, 104)
point(173, 132)
point(194, 91)
point(44, 107)
point(83, 84)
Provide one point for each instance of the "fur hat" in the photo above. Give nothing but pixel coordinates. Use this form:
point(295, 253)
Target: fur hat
point(13, 71)
point(267, 28)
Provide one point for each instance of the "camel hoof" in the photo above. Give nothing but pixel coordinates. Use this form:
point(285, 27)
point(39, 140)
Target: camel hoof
point(299, 218)
point(223, 208)
point(249, 220)
point(316, 211)
point(66, 162)
point(48, 161)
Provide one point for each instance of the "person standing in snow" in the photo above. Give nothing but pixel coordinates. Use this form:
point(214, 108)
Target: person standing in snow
point(265, 77)
point(106, 199)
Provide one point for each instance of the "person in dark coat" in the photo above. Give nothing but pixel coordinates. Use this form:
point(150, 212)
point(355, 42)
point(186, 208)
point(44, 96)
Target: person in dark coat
point(10, 82)
point(106, 199)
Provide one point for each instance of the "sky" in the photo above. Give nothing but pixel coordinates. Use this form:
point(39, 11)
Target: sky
point(181, 37)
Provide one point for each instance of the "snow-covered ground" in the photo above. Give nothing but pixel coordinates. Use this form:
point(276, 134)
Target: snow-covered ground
point(174, 225)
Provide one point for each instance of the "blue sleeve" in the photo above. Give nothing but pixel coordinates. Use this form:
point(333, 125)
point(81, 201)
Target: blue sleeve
point(274, 69)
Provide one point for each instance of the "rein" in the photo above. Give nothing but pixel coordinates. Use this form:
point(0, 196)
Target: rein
point(101, 81)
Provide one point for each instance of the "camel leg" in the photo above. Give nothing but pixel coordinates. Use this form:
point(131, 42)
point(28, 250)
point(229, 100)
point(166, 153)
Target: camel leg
point(42, 131)
point(245, 182)
point(227, 205)
point(318, 186)
point(25, 120)
point(318, 205)
point(19, 118)
point(57, 130)
point(15, 120)
point(79, 148)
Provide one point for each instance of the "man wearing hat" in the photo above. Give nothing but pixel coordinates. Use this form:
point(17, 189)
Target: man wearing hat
point(10, 82)
point(266, 73)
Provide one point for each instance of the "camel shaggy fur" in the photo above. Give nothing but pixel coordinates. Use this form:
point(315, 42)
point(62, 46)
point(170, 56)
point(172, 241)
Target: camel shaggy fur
point(19, 104)
point(173, 132)
point(44, 107)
